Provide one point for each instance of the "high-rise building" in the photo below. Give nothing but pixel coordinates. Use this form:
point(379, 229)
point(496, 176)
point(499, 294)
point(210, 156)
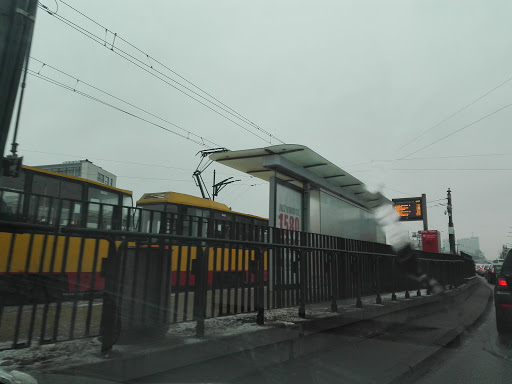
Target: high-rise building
point(84, 169)
point(469, 245)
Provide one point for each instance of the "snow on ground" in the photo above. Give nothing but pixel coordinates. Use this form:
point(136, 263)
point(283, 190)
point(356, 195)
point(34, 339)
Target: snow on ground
point(49, 357)
point(43, 357)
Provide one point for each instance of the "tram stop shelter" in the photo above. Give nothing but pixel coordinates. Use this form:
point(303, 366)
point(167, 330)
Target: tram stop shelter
point(309, 193)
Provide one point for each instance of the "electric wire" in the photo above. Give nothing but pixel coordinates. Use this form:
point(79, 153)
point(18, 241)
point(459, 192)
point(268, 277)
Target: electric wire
point(119, 99)
point(139, 63)
point(169, 69)
point(456, 113)
point(458, 130)
point(74, 90)
point(127, 162)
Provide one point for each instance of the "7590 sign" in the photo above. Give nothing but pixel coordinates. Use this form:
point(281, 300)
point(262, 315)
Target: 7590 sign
point(290, 222)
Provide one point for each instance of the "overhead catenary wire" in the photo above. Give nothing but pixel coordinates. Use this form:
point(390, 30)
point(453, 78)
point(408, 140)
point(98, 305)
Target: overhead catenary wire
point(128, 162)
point(457, 112)
point(197, 140)
point(161, 76)
point(121, 100)
point(458, 130)
point(151, 58)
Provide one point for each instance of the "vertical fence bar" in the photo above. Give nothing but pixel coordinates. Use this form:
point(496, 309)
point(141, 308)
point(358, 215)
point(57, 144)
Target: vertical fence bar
point(302, 282)
point(109, 326)
point(378, 299)
point(77, 288)
point(177, 284)
point(91, 287)
point(42, 287)
point(260, 306)
point(359, 302)
point(188, 273)
point(334, 282)
point(200, 291)
point(393, 278)
point(31, 293)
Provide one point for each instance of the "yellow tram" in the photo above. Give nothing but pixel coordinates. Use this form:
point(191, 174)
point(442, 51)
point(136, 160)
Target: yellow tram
point(47, 263)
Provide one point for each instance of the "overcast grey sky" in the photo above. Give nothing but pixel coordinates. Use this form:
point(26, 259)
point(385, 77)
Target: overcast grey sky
point(353, 80)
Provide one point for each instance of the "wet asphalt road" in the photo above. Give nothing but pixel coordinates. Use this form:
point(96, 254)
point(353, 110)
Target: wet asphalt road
point(368, 353)
point(482, 356)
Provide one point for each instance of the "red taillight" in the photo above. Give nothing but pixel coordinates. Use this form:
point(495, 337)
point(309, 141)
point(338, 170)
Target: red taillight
point(506, 305)
point(502, 282)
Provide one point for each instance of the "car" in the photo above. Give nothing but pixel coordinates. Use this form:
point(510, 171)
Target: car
point(503, 296)
point(492, 272)
point(485, 270)
point(480, 269)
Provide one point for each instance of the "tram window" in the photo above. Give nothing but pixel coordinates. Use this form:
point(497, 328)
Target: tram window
point(104, 197)
point(93, 214)
point(223, 224)
point(106, 217)
point(72, 218)
point(191, 221)
point(44, 185)
point(128, 217)
point(17, 183)
point(172, 218)
point(127, 201)
point(42, 209)
point(150, 221)
point(11, 204)
point(70, 190)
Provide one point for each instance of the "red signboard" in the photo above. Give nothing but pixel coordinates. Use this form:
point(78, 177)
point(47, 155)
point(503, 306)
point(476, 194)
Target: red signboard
point(431, 241)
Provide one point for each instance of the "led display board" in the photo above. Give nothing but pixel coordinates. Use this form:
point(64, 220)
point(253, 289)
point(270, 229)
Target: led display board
point(409, 209)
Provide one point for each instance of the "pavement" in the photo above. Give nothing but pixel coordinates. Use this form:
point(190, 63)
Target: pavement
point(235, 349)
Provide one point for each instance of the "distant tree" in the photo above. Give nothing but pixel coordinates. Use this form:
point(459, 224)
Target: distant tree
point(504, 251)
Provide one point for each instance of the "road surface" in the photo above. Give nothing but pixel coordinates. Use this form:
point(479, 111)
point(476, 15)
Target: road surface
point(383, 353)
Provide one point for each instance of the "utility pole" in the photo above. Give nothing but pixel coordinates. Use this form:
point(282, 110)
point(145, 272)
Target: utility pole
point(16, 28)
point(424, 213)
point(451, 231)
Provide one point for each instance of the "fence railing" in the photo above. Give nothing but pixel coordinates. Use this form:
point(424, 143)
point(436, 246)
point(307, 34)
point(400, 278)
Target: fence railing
point(65, 283)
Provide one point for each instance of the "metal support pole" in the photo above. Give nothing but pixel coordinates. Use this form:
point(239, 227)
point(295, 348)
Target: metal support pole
point(110, 322)
point(378, 299)
point(260, 289)
point(302, 284)
point(451, 231)
point(334, 285)
point(357, 267)
point(200, 289)
point(407, 295)
point(429, 274)
point(393, 277)
point(424, 213)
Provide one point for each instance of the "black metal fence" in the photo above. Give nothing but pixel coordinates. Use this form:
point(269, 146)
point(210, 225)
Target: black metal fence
point(64, 280)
